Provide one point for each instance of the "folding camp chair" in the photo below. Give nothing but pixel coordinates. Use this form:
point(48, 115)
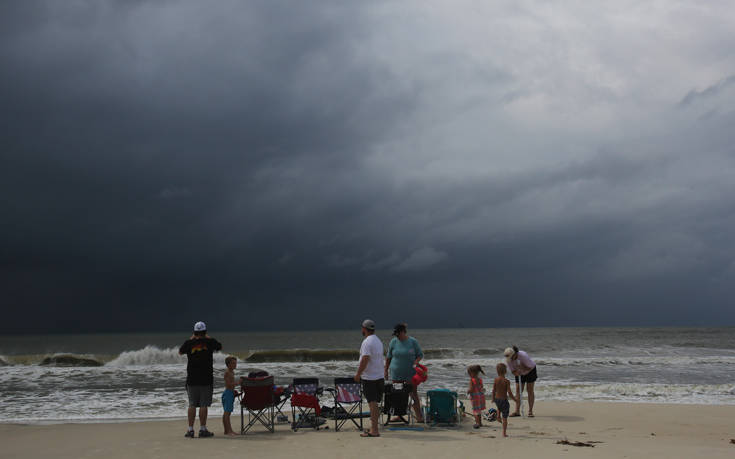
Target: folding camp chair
point(305, 399)
point(441, 407)
point(396, 403)
point(257, 399)
point(347, 402)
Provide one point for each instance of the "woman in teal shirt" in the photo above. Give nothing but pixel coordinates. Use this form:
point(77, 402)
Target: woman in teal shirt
point(404, 353)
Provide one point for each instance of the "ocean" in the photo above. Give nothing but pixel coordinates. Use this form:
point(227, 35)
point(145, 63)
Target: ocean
point(115, 377)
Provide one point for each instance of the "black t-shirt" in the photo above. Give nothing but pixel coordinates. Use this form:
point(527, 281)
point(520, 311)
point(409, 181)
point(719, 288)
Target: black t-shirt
point(199, 353)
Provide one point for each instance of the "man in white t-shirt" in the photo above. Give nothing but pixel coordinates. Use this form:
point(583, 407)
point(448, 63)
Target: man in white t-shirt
point(370, 373)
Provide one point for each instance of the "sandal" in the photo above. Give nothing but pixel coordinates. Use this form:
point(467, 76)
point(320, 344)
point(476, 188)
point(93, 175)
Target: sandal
point(368, 435)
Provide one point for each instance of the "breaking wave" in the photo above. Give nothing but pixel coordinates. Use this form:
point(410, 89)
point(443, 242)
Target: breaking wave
point(327, 355)
point(149, 355)
point(71, 360)
point(302, 355)
point(153, 355)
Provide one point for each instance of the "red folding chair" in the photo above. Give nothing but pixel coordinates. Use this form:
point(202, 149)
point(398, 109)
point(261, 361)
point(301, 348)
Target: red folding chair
point(257, 400)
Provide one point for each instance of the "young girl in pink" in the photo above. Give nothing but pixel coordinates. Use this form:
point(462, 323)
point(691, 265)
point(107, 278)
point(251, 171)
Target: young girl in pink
point(477, 393)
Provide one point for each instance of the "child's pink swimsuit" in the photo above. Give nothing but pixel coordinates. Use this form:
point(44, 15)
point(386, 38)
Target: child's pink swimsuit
point(477, 395)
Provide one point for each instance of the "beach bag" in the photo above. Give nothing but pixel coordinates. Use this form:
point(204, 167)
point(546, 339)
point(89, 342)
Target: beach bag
point(421, 375)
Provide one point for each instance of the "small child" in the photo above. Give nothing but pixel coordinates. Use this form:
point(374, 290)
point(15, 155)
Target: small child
point(228, 396)
point(477, 393)
point(501, 391)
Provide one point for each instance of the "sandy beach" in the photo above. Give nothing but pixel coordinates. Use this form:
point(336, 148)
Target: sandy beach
point(616, 430)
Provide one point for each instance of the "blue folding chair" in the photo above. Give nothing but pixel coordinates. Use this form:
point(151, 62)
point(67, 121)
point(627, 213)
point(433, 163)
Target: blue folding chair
point(442, 407)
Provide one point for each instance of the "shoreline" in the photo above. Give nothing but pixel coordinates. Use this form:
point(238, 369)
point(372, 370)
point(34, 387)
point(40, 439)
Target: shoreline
point(215, 410)
point(614, 429)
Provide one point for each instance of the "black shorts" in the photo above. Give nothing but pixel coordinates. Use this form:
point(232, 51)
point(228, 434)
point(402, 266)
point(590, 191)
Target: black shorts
point(530, 377)
point(199, 395)
point(373, 389)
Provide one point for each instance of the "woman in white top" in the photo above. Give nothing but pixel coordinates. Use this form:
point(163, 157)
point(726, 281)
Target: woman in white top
point(521, 365)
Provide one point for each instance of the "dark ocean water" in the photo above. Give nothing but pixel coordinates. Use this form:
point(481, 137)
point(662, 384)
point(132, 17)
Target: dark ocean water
point(141, 376)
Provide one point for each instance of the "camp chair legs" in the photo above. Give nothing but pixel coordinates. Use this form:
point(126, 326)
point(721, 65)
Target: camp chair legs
point(306, 417)
point(265, 416)
point(279, 402)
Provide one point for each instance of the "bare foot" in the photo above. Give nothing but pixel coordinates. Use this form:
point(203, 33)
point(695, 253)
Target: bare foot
point(505, 434)
point(232, 434)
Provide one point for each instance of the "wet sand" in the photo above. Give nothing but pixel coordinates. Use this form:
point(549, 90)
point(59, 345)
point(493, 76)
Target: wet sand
point(616, 430)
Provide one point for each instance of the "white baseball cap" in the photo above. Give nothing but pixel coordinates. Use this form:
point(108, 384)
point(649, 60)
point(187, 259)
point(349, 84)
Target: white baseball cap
point(508, 352)
point(200, 327)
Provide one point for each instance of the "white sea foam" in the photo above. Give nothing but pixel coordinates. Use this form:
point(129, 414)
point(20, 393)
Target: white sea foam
point(720, 394)
point(152, 355)
point(149, 355)
point(671, 360)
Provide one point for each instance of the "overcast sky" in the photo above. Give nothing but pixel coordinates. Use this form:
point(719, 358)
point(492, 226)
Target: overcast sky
point(271, 164)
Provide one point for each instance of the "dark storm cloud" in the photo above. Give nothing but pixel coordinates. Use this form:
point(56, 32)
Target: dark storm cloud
point(252, 162)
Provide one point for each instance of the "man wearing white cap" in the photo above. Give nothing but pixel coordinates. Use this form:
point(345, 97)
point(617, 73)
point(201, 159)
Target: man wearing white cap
point(199, 376)
point(370, 373)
